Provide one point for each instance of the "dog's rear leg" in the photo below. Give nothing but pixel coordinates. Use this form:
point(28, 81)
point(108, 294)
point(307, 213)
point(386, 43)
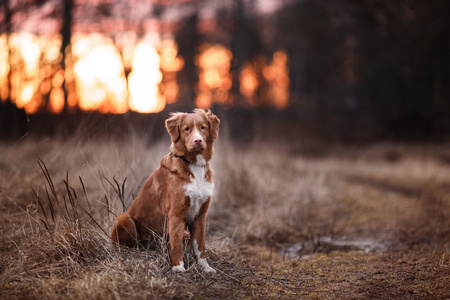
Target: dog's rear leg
point(124, 231)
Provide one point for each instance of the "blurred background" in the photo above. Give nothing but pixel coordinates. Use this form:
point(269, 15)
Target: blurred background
point(340, 71)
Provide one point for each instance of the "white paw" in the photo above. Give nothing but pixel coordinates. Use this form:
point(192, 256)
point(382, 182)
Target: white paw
point(210, 270)
point(179, 269)
point(206, 268)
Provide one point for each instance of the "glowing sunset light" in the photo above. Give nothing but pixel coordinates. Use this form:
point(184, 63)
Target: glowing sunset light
point(57, 100)
point(46, 86)
point(248, 81)
point(214, 78)
point(25, 83)
point(58, 79)
point(33, 62)
point(126, 42)
point(170, 64)
point(277, 76)
point(28, 46)
point(94, 75)
point(94, 78)
point(57, 93)
point(169, 60)
point(51, 49)
point(4, 67)
point(99, 75)
point(26, 98)
point(144, 81)
point(26, 95)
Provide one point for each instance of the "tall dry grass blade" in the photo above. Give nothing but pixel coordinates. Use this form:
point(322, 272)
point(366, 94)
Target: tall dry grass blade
point(53, 193)
point(85, 193)
point(69, 195)
point(119, 191)
point(72, 196)
point(65, 206)
point(107, 206)
point(74, 193)
point(50, 204)
point(95, 221)
point(40, 204)
point(43, 212)
point(45, 225)
point(73, 199)
point(123, 188)
point(48, 178)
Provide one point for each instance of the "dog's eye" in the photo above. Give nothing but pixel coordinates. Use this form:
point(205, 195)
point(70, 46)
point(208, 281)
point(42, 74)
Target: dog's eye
point(186, 129)
point(203, 127)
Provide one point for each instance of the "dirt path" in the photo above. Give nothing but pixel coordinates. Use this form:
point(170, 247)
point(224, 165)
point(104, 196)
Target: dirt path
point(388, 238)
point(413, 274)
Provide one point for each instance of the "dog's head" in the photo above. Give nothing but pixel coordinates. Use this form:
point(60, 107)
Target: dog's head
point(193, 133)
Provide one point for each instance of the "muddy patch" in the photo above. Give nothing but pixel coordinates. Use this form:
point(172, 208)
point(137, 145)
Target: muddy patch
point(328, 245)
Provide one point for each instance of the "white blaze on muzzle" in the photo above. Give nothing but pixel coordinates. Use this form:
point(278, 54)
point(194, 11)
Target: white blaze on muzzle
point(196, 135)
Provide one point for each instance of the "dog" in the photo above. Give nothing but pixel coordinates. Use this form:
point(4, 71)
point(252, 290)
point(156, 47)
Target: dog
point(178, 194)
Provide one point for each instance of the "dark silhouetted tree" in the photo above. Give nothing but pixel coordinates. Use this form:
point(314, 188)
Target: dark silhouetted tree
point(188, 40)
point(66, 34)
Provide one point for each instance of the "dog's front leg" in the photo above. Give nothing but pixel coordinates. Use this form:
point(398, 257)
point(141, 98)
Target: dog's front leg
point(176, 231)
point(198, 238)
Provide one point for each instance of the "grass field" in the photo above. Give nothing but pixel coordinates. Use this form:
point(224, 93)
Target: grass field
point(350, 223)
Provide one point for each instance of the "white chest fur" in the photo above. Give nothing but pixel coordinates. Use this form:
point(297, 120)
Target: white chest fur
point(198, 190)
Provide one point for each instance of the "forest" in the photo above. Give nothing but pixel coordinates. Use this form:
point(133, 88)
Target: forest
point(347, 70)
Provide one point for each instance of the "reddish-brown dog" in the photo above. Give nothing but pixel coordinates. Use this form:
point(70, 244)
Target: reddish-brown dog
point(178, 193)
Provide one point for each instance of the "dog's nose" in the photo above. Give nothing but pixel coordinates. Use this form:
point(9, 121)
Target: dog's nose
point(198, 141)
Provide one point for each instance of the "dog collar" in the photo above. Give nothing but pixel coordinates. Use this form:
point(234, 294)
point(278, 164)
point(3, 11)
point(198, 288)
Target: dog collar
point(182, 157)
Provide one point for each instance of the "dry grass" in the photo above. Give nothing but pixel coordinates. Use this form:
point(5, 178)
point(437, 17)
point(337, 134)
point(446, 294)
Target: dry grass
point(59, 199)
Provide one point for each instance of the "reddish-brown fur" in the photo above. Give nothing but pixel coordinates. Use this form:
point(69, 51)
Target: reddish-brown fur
point(162, 203)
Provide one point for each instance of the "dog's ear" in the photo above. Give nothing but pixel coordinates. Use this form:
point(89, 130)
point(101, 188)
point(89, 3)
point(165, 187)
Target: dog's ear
point(173, 126)
point(214, 124)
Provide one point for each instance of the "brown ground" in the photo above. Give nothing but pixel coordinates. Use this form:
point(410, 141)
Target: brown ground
point(352, 224)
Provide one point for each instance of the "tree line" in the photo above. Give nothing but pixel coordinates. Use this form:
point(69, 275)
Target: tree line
point(357, 68)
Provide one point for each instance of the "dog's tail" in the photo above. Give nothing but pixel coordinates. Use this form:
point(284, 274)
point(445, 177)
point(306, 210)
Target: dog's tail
point(124, 231)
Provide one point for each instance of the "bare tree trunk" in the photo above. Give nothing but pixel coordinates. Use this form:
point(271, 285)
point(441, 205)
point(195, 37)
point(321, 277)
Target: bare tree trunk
point(238, 48)
point(66, 33)
point(9, 121)
point(188, 40)
point(8, 30)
